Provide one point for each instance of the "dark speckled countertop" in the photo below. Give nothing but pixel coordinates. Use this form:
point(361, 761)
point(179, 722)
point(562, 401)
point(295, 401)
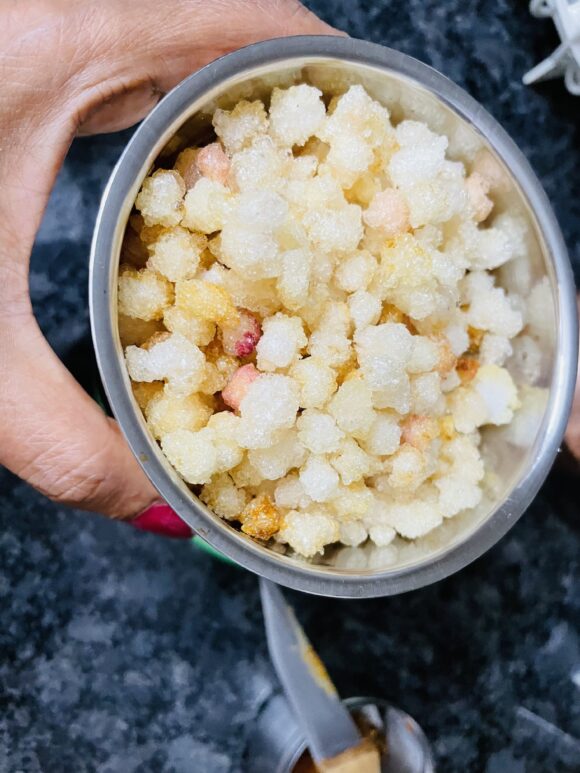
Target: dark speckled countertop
point(122, 652)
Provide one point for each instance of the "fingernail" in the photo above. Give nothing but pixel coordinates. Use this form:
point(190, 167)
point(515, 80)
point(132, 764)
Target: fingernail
point(159, 518)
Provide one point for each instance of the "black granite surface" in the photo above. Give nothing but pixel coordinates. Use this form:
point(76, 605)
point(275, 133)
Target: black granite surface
point(122, 652)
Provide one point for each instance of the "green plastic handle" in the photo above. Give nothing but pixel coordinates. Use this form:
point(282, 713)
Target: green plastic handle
point(200, 544)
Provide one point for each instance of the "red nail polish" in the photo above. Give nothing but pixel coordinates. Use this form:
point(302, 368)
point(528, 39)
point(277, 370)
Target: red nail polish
point(159, 518)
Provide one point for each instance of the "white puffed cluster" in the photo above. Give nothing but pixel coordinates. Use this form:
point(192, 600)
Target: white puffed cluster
point(172, 359)
point(296, 114)
point(201, 454)
point(281, 342)
point(312, 326)
point(270, 404)
point(176, 253)
point(160, 200)
point(143, 294)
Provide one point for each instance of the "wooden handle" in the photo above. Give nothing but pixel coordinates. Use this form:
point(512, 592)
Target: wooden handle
point(361, 759)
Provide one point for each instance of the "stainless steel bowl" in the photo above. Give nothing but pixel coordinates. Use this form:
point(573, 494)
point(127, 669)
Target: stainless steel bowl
point(398, 81)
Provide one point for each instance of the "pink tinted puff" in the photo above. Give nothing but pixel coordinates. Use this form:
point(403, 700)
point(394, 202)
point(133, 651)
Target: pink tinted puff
point(238, 386)
point(388, 212)
point(242, 339)
point(213, 163)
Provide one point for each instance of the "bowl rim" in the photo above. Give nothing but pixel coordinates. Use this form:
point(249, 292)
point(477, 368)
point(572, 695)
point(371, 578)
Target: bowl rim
point(140, 151)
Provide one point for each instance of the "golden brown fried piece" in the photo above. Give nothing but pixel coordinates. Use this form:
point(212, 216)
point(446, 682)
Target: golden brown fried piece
point(261, 518)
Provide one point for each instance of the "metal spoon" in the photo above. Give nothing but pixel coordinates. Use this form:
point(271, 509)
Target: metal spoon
point(333, 738)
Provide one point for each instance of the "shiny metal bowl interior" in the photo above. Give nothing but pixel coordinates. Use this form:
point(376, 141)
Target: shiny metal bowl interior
point(411, 89)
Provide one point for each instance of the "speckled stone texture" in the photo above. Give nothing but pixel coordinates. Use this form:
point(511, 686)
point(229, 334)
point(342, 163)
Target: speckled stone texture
point(122, 652)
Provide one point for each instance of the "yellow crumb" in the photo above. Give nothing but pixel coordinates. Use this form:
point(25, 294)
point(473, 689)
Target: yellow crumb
point(155, 339)
point(467, 368)
point(475, 339)
point(150, 233)
point(206, 301)
point(391, 313)
point(447, 427)
point(144, 392)
point(447, 360)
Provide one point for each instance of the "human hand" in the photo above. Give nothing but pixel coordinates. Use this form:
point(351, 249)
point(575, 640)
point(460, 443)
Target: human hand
point(79, 67)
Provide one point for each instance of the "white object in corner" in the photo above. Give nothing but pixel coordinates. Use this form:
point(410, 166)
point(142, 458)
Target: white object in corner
point(565, 60)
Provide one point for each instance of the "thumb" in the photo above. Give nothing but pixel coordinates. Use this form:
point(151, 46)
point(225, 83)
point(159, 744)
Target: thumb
point(51, 433)
point(55, 437)
point(142, 56)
